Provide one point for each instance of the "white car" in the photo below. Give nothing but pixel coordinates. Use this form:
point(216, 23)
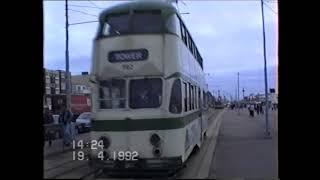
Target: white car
point(83, 122)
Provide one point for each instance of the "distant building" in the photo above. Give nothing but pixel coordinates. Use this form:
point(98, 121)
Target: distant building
point(80, 84)
point(54, 89)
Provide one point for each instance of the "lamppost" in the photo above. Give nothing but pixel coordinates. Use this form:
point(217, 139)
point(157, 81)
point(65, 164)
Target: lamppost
point(268, 135)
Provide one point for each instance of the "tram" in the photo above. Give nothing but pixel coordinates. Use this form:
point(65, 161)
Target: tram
point(149, 95)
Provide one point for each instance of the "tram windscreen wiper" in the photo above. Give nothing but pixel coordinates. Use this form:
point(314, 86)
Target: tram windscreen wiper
point(114, 30)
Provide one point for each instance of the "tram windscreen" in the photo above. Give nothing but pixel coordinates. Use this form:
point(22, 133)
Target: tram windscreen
point(140, 22)
point(147, 22)
point(112, 94)
point(145, 93)
point(117, 23)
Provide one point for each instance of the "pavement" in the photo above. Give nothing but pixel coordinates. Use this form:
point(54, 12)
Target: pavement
point(242, 150)
point(57, 145)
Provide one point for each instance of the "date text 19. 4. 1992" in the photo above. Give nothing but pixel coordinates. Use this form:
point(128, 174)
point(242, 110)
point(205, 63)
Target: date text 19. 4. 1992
point(103, 155)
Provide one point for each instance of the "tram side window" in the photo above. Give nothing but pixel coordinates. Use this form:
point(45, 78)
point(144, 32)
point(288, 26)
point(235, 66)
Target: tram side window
point(192, 95)
point(185, 97)
point(176, 98)
point(199, 98)
point(189, 96)
point(189, 42)
point(196, 96)
point(184, 34)
point(145, 93)
point(112, 94)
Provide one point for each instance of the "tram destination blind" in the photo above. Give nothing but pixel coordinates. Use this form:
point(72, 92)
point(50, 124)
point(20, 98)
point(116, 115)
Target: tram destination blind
point(128, 55)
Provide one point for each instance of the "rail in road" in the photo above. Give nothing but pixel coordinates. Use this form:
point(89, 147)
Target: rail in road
point(60, 165)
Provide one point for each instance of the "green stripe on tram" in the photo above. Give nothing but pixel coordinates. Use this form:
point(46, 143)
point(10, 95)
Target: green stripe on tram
point(143, 124)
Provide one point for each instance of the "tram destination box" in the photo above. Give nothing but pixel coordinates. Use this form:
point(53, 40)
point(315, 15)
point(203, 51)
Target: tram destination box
point(128, 55)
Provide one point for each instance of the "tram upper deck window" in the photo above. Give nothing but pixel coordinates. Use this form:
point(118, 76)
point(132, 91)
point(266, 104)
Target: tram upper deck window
point(145, 93)
point(112, 94)
point(147, 21)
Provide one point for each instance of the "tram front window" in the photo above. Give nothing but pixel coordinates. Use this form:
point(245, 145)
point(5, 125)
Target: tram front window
point(147, 22)
point(145, 93)
point(140, 22)
point(112, 94)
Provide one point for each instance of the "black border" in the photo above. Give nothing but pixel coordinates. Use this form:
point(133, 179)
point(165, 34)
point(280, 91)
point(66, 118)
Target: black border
point(294, 108)
point(25, 83)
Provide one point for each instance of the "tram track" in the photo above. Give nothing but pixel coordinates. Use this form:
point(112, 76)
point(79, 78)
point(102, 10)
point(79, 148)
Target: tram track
point(66, 167)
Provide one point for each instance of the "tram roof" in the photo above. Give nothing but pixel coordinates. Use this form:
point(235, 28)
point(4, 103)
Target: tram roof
point(138, 5)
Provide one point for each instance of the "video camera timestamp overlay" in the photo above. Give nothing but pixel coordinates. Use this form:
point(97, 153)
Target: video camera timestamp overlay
point(98, 145)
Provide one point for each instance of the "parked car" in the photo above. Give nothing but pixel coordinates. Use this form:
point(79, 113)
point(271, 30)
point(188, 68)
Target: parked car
point(83, 122)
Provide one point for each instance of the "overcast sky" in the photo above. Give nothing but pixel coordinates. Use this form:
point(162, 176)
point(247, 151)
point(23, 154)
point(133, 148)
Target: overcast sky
point(228, 35)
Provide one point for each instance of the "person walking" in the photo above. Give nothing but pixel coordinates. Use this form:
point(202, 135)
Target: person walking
point(66, 119)
point(48, 119)
point(251, 110)
point(261, 109)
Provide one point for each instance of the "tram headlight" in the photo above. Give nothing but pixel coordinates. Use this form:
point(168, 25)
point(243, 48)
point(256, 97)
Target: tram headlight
point(106, 141)
point(157, 152)
point(155, 140)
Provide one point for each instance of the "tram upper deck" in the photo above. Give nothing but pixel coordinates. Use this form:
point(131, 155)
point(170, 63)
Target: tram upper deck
point(144, 39)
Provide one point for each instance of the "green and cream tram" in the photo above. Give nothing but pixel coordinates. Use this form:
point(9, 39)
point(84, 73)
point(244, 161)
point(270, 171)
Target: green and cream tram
point(149, 95)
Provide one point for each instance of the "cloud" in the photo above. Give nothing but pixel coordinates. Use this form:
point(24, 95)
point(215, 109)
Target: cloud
point(227, 34)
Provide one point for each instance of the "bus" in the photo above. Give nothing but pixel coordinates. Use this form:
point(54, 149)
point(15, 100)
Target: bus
point(149, 95)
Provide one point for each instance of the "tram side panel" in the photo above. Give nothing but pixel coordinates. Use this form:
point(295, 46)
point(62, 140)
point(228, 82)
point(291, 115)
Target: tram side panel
point(185, 64)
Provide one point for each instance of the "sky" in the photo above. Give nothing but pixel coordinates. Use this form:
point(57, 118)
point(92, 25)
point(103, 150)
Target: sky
point(227, 33)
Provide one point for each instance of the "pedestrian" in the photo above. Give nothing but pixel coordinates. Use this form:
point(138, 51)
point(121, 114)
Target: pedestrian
point(261, 109)
point(66, 119)
point(48, 119)
point(251, 110)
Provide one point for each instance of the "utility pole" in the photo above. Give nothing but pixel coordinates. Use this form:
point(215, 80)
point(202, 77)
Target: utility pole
point(68, 81)
point(268, 135)
point(238, 96)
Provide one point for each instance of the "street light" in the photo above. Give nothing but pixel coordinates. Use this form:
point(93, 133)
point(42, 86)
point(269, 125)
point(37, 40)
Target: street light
point(68, 83)
point(268, 135)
